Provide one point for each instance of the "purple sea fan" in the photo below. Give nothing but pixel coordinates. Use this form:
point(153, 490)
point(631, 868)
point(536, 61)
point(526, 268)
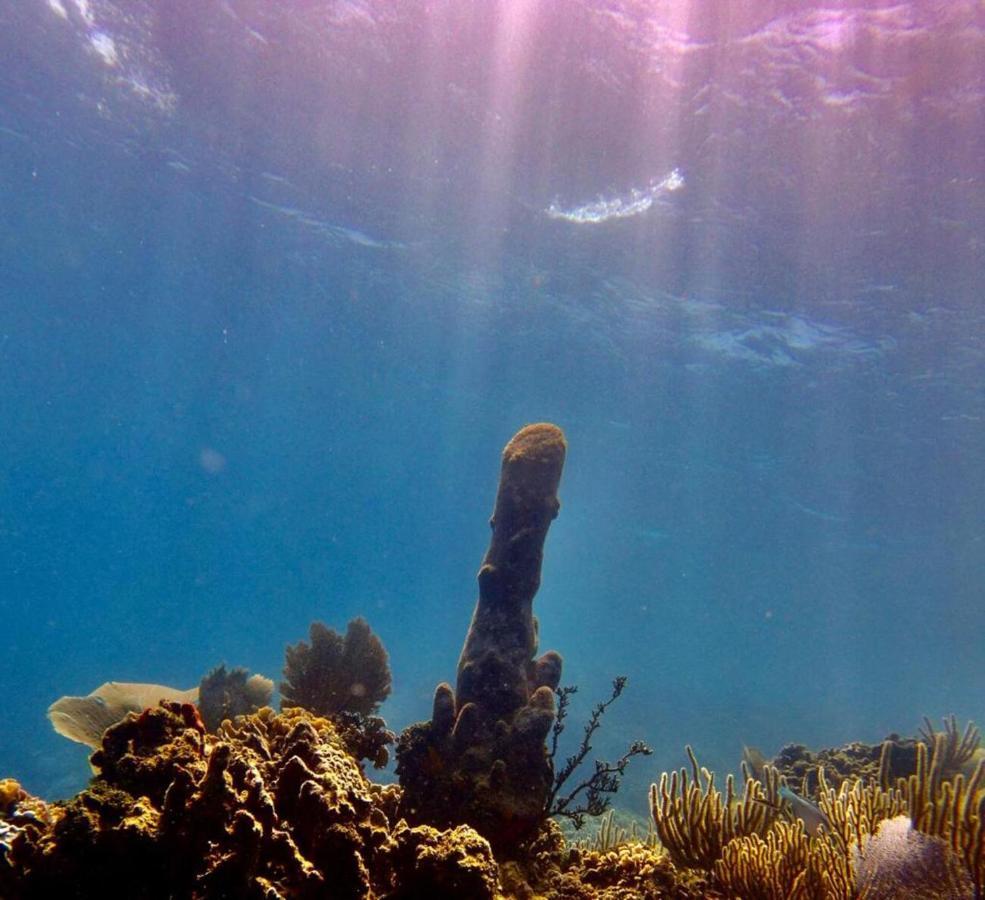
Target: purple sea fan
point(898, 861)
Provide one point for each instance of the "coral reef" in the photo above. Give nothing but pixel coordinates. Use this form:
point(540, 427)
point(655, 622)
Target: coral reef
point(227, 693)
point(629, 870)
point(482, 757)
point(441, 864)
point(203, 796)
point(893, 759)
point(939, 854)
point(799, 766)
point(337, 674)
point(271, 806)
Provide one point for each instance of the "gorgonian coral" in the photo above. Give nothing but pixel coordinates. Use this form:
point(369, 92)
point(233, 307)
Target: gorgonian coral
point(336, 674)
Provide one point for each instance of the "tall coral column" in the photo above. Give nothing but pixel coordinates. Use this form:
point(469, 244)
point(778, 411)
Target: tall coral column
point(482, 759)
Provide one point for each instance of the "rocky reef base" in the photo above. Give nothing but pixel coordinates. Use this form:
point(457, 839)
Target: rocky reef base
point(275, 805)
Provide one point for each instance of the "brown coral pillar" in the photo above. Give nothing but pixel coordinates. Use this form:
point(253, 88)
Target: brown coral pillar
point(482, 759)
point(495, 666)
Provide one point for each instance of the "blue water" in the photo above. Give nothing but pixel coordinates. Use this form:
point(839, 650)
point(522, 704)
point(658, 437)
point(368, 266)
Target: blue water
point(278, 282)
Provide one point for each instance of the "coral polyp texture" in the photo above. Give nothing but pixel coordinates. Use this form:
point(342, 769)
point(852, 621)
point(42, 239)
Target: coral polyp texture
point(482, 757)
point(271, 806)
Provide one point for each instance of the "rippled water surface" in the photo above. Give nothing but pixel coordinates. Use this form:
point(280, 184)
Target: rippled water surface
point(279, 280)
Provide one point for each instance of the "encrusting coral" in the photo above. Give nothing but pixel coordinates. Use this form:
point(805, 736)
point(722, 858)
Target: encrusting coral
point(482, 757)
point(337, 674)
point(272, 806)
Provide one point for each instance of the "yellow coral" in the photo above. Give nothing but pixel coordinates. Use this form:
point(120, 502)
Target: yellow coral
point(785, 865)
point(694, 821)
point(10, 792)
point(957, 749)
point(856, 809)
point(757, 857)
point(953, 810)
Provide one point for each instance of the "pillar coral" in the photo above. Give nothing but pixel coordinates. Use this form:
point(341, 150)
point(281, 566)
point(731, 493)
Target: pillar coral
point(482, 758)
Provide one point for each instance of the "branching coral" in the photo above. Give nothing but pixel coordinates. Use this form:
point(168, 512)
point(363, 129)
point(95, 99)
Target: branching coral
point(785, 865)
point(953, 810)
point(694, 821)
point(335, 673)
point(610, 833)
point(597, 789)
point(856, 808)
point(957, 749)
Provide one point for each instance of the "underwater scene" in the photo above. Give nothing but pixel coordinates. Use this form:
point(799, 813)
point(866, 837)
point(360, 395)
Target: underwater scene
point(492, 449)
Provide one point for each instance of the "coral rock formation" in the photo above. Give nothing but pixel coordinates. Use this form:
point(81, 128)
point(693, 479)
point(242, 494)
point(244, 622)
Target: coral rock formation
point(482, 758)
point(272, 806)
point(799, 766)
point(441, 865)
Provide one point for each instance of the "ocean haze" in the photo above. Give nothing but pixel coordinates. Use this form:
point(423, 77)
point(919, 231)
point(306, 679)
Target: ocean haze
point(279, 281)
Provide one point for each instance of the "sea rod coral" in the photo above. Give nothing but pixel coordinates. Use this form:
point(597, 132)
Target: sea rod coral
point(920, 837)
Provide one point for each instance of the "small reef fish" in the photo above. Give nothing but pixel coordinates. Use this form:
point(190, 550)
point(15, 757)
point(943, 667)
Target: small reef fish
point(85, 719)
point(808, 813)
